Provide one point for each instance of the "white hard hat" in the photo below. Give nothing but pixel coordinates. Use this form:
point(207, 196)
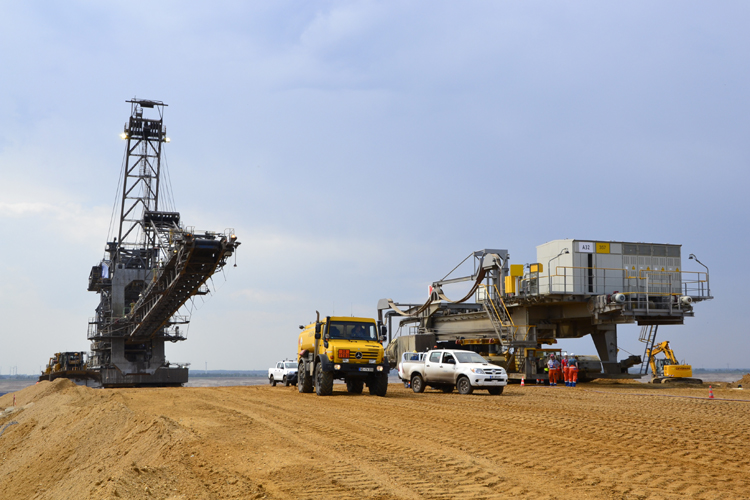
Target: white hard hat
point(572, 354)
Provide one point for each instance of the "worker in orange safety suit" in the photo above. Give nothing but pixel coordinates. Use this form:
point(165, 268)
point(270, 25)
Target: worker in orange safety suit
point(554, 370)
point(572, 371)
point(564, 365)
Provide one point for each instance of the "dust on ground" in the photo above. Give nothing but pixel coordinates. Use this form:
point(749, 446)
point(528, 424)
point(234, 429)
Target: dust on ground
point(593, 441)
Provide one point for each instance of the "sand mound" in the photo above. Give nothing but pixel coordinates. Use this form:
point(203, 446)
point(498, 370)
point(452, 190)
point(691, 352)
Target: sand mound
point(744, 382)
point(622, 441)
point(35, 392)
point(77, 442)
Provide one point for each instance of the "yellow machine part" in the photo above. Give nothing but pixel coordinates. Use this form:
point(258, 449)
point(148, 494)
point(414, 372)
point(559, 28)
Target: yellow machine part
point(478, 341)
point(678, 371)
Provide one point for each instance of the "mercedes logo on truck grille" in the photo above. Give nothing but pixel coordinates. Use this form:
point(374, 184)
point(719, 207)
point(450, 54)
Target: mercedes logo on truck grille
point(358, 355)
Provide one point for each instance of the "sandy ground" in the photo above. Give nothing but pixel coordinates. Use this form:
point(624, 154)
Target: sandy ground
point(594, 441)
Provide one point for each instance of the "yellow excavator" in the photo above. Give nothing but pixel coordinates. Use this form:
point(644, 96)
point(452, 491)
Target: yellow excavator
point(668, 369)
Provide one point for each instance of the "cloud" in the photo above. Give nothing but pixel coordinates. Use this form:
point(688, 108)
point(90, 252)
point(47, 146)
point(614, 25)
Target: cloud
point(458, 127)
point(24, 209)
point(65, 221)
point(261, 296)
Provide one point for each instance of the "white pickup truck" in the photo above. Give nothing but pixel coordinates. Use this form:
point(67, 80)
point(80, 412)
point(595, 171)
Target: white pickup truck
point(445, 369)
point(284, 372)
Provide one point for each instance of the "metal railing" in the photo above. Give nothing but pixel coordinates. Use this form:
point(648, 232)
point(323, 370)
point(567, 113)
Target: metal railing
point(499, 315)
point(599, 280)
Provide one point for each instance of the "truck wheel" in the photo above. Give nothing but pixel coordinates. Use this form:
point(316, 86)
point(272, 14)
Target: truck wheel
point(272, 380)
point(464, 385)
point(417, 384)
point(323, 381)
point(304, 381)
point(379, 385)
point(495, 391)
point(285, 380)
point(447, 389)
point(355, 386)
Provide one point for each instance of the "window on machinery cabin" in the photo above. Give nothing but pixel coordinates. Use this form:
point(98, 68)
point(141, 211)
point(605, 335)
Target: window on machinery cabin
point(353, 330)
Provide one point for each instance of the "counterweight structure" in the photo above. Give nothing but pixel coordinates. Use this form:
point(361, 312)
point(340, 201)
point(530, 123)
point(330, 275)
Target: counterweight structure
point(576, 288)
point(151, 268)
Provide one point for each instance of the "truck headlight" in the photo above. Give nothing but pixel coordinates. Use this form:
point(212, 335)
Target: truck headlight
point(478, 371)
point(380, 368)
point(336, 367)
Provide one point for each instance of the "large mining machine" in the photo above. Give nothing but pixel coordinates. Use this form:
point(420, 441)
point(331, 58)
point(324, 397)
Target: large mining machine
point(152, 266)
point(511, 311)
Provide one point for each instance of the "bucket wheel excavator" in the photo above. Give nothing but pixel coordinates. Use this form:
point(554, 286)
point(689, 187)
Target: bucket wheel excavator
point(153, 266)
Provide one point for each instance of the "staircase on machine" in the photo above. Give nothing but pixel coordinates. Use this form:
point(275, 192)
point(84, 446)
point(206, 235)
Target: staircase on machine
point(507, 331)
point(647, 336)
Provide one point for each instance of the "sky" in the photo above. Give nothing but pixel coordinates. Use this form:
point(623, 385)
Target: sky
point(362, 149)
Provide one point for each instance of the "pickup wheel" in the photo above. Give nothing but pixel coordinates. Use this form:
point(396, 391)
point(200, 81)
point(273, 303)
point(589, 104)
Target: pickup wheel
point(379, 385)
point(417, 384)
point(447, 389)
point(464, 385)
point(304, 381)
point(272, 381)
point(323, 381)
point(495, 391)
point(355, 386)
point(285, 380)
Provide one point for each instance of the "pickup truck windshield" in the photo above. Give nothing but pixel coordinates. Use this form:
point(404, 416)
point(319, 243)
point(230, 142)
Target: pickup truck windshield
point(291, 365)
point(469, 357)
point(352, 330)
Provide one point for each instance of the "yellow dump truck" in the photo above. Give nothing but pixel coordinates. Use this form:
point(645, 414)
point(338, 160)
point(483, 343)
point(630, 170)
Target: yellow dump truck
point(344, 348)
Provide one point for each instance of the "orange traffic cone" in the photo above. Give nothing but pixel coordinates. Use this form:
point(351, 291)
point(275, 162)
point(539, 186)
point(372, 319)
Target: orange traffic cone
point(522, 383)
point(710, 392)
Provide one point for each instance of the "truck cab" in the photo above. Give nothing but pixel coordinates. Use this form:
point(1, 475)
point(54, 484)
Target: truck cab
point(343, 348)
